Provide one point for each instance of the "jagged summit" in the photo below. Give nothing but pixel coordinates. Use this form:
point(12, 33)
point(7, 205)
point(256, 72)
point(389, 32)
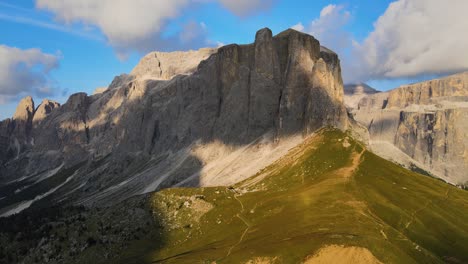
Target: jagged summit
point(44, 109)
point(25, 109)
point(263, 129)
point(196, 118)
point(288, 32)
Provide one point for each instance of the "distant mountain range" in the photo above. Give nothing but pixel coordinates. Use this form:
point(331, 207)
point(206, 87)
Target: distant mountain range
point(353, 93)
point(421, 125)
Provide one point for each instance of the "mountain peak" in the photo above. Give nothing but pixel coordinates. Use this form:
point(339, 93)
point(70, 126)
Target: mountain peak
point(25, 109)
point(276, 88)
point(44, 109)
point(359, 88)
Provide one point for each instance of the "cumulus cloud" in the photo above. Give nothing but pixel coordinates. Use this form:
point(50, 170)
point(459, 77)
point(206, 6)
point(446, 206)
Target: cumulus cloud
point(299, 27)
point(126, 24)
point(25, 72)
point(414, 38)
point(328, 28)
point(138, 24)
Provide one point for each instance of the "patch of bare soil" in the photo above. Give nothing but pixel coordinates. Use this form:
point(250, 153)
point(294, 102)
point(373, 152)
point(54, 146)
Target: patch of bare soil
point(263, 260)
point(347, 172)
point(198, 206)
point(342, 255)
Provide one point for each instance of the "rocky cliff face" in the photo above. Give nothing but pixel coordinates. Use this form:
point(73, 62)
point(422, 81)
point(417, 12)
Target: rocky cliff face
point(427, 121)
point(184, 118)
point(453, 88)
point(16, 133)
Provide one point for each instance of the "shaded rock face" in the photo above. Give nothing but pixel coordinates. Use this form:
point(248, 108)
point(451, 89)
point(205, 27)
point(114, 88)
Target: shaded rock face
point(16, 133)
point(136, 136)
point(428, 121)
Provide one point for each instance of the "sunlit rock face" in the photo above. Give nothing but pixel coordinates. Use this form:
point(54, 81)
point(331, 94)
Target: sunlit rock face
point(163, 123)
point(427, 121)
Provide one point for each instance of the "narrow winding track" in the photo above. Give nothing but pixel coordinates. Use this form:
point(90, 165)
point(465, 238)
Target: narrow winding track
point(413, 215)
point(244, 221)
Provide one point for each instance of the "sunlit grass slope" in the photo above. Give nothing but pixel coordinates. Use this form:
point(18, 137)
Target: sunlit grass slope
point(328, 191)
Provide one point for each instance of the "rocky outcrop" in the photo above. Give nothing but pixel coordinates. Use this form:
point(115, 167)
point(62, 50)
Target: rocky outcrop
point(22, 119)
point(24, 110)
point(17, 136)
point(168, 120)
point(43, 110)
point(164, 65)
point(427, 121)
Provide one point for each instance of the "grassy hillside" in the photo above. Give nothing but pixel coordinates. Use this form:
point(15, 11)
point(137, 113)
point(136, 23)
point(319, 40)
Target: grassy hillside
point(329, 200)
point(327, 194)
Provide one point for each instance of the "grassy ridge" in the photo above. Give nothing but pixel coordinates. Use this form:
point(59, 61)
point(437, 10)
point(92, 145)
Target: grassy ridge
point(329, 190)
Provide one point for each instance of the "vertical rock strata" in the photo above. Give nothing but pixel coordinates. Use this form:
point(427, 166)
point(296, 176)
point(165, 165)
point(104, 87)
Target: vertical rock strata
point(281, 85)
point(428, 121)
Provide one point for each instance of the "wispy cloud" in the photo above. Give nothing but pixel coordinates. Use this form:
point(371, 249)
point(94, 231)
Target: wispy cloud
point(18, 8)
point(24, 16)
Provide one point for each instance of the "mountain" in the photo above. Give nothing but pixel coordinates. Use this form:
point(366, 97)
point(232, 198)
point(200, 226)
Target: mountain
point(327, 200)
point(242, 154)
point(197, 118)
point(423, 125)
point(353, 93)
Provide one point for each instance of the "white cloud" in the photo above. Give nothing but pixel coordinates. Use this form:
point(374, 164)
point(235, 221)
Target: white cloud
point(128, 25)
point(328, 28)
point(120, 20)
point(25, 72)
point(298, 27)
point(415, 38)
point(131, 25)
point(412, 39)
point(52, 26)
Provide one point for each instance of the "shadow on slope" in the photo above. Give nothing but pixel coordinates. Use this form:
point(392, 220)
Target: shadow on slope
point(328, 191)
point(81, 235)
point(141, 133)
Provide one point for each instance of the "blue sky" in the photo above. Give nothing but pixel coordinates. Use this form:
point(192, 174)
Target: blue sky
point(78, 46)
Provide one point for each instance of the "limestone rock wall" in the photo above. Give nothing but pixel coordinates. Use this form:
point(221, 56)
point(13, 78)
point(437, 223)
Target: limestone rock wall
point(428, 121)
point(429, 92)
point(136, 135)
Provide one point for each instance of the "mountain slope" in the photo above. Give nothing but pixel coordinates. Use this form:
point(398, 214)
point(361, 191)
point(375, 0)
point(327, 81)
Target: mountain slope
point(180, 118)
point(328, 191)
point(327, 197)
